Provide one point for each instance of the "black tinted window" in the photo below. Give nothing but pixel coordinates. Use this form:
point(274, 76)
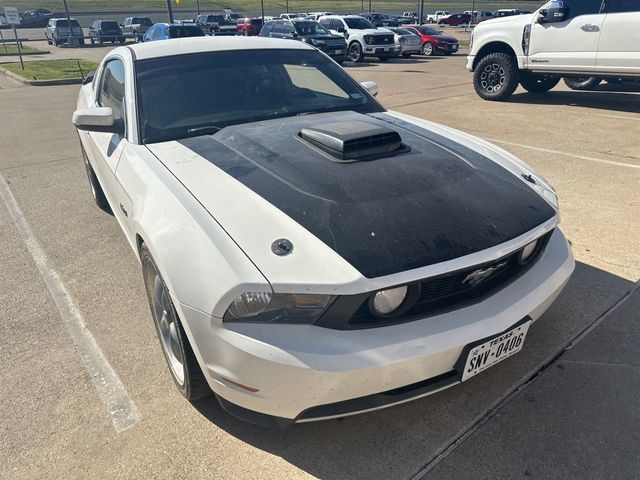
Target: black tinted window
point(358, 23)
point(190, 95)
point(110, 25)
point(183, 31)
point(624, 6)
point(112, 88)
point(582, 7)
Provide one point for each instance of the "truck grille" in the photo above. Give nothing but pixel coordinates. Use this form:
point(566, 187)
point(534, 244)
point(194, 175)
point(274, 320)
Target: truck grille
point(385, 40)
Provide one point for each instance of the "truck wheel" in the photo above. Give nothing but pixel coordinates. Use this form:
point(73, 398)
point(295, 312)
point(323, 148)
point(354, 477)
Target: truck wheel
point(582, 83)
point(538, 83)
point(427, 49)
point(496, 76)
point(355, 52)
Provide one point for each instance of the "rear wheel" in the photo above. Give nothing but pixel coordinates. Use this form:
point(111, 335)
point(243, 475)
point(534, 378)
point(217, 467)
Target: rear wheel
point(538, 83)
point(496, 76)
point(184, 368)
point(582, 83)
point(355, 52)
point(427, 49)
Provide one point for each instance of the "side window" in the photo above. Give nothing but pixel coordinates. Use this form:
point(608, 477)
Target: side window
point(277, 28)
point(582, 7)
point(326, 22)
point(619, 6)
point(288, 29)
point(112, 88)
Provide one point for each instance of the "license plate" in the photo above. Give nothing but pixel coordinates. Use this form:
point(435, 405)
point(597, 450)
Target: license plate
point(455, 47)
point(386, 49)
point(495, 350)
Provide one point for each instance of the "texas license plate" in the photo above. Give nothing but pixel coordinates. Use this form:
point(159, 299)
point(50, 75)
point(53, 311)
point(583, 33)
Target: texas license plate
point(495, 350)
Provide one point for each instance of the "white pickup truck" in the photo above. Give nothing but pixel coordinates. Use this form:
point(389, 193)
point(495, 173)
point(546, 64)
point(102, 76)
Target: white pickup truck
point(584, 41)
point(434, 17)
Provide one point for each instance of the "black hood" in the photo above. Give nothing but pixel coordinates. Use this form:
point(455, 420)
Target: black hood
point(430, 201)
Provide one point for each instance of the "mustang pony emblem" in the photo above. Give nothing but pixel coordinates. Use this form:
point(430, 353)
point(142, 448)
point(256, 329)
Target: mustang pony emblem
point(478, 276)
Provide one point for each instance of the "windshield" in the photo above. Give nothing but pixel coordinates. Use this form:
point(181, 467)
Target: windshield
point(310, 28)
point(429, 31)
point(358, 23)
point(65, 23)
point(401, 31)
point(189, 95)
point(112, 25)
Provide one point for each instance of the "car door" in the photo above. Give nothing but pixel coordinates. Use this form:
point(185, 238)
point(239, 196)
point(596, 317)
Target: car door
point(570, 45)
point(107, 147)
point(619, 48)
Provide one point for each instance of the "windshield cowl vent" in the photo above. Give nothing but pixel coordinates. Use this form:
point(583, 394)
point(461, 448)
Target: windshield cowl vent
point(352, 141)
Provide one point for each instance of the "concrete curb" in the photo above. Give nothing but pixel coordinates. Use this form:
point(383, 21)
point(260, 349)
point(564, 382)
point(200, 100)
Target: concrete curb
point(40, 83)
point(43, 52)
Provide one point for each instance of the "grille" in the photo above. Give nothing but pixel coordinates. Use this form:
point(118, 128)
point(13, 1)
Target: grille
point(454, 290)
point(384, 39)
point(335, 43)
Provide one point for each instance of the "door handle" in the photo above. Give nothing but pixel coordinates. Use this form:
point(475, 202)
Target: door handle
point(124, 210)
point(590, 27)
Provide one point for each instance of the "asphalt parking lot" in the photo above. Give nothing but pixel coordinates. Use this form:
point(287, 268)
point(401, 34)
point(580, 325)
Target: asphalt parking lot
point(576, 419)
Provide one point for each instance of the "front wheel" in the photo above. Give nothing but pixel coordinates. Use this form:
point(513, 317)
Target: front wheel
point(184, 368)
point(355, 52)
point(538, 83)
point(496, 76)
point(582, 83)
point(427, 49)
point(96, 190)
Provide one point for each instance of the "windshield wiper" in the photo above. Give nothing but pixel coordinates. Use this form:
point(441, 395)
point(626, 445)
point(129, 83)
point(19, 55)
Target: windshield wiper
point(212, 128)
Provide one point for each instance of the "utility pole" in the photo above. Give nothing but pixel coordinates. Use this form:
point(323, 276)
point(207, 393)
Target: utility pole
point(262, 9)
point(66, 11)
point(421, 12)
point(369, 6)
point(169, 11)
point(198, 6)
point(473, 12)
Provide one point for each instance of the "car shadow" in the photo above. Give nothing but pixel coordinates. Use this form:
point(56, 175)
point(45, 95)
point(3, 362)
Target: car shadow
point(608, 98)
point(399, 441)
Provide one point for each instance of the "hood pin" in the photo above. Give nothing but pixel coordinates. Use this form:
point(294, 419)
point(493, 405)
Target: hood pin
point(282, 247)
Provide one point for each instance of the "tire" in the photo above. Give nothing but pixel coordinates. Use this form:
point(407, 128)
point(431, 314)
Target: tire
point(122, 40)
point(100, 40)
point(582, 83)
point(184, 367)
point(355, 52)
point(496, 76)
point(94, 184)
point(92, 41)
point(538, 83)
point(427, 49)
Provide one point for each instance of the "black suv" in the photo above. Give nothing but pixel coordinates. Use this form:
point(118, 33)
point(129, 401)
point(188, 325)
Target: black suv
point(105, 31)
point(310, 32)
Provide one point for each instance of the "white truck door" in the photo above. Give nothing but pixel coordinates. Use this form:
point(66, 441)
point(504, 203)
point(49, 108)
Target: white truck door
point(569, 45)
point(619, 49)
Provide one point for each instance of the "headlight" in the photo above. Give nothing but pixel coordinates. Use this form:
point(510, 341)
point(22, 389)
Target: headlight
point(318, 43)
point(277, 307)
point(385, 302)
point(369, 39)
point(527, 253)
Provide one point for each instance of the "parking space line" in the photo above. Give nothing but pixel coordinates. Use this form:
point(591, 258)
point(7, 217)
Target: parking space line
point(566, 154)
point(111, 391)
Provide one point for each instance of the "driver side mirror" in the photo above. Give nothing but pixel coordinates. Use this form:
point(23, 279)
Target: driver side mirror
point(371, 87)
point(340, 29)
point(97, 119)
point(554, 13)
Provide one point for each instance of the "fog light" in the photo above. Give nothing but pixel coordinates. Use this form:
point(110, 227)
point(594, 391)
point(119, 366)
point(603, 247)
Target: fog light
point(527, 252)
point(387, 301)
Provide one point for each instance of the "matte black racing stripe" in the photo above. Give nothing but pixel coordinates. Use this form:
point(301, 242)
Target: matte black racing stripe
point(436, 202)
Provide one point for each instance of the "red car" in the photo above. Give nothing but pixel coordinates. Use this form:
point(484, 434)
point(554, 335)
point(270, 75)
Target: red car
point(433, 41)
point(249, 26)
point(455, 19)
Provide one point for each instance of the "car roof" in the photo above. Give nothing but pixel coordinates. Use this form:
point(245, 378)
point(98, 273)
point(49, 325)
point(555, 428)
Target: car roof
point(181, 46)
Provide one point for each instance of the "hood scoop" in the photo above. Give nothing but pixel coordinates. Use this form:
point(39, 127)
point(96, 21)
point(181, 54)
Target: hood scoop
point(351, 141)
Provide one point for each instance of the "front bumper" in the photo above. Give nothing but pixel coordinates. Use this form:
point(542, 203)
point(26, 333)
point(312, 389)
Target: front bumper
point(379, 51)
point(470, 60)
point(306, 373)
point(447, 47)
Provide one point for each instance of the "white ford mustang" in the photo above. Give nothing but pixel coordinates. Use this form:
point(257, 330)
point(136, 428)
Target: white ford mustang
point(308, 254)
